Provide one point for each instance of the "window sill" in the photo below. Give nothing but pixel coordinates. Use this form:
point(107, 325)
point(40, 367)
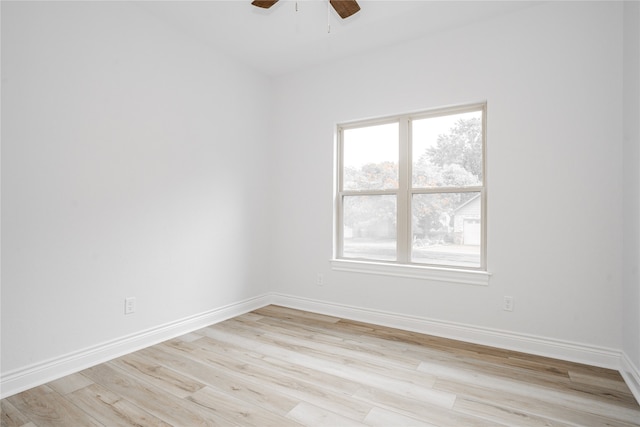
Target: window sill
point(453, 275)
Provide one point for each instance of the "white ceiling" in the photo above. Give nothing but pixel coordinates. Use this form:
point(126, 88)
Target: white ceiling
point(280, 39)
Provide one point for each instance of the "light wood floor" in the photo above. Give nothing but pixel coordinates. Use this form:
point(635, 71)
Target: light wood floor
point(280, 367)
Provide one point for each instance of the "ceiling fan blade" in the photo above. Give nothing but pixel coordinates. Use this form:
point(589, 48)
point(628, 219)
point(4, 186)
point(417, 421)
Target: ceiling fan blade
point(265, 4)
point(345, 8)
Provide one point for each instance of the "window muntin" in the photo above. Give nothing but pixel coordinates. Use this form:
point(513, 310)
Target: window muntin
point(411, 189)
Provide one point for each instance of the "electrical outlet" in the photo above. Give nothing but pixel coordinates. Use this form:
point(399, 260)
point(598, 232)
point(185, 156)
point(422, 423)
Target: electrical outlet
point(320, 279)
point(129, 305)
point(508, 303)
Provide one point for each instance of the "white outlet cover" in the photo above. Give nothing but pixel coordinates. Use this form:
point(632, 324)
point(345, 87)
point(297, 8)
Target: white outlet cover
point(508, 303)
point(129, 305)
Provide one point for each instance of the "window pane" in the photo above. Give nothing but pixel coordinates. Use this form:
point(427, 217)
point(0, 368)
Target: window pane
point(447, 151)
point(370, 157)
point(446, 229)
point(369, 227)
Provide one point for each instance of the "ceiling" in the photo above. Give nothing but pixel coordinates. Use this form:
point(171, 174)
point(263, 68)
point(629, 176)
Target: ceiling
point(293, 35)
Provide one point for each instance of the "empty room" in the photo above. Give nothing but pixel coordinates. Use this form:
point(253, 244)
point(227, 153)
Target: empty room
point(330, 213)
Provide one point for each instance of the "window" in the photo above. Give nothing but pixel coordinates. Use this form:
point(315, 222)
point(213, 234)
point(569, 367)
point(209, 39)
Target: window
point(411, 190)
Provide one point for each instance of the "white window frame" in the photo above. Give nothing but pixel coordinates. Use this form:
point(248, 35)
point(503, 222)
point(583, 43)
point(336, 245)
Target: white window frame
point(403, 267)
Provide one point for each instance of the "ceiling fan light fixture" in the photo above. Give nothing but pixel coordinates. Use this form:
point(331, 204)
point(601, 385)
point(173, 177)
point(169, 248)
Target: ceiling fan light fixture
point(265, 4)
point(344, 8)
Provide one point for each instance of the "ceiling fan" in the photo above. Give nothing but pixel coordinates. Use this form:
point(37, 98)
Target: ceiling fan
point(345, 8)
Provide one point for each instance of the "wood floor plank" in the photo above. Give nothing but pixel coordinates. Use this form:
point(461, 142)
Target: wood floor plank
point(274, 362)
point(225, 380)
point(365, 360)
point(379, 417)
point(237, 411)
point(178, 412)
point(545, 407)
point(498, 413)
point(111, 409)
point(280, 381)
point(10, 416)
point(280, 366)
point(169, 380)
point(337, 366)
point(193, 336)
point(421, 410)
point(616, 385)
point(311, 415)
point(45, 407)
point(508, 377)
point(70, 383)
point(416, 342)
point(338, 338)
point(298, 316)
point(332, 344)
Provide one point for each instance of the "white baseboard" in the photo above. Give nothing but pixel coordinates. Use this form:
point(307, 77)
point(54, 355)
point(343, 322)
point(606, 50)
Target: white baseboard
point(631, 375)
point(40, 373)
point(557, 349)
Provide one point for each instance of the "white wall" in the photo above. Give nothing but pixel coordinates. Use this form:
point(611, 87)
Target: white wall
point(631, 223)
point(133, 163)
point(552, 77)
point(137, 162)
